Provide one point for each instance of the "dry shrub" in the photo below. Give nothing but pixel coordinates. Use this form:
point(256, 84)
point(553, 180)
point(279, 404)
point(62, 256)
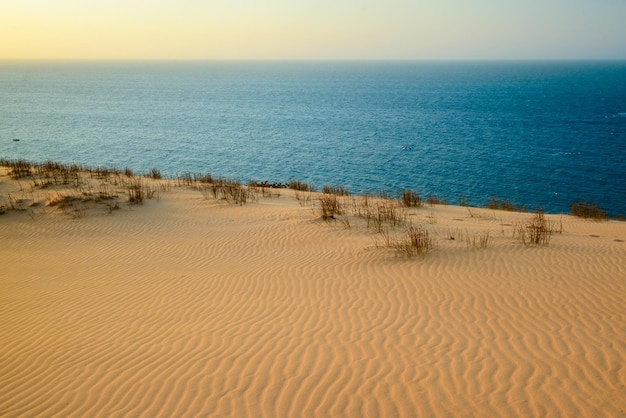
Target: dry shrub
point(382, 214)
point(135, 191)
point(233, 191)
point(329, 206)
point(588, 211)
point(536, 231)
point(154, 174)
point(411, 198)
point(506, 205)
point(184, 179)
point(301, 186)
point(230, 190)
point(416, 240)
point(336, 190)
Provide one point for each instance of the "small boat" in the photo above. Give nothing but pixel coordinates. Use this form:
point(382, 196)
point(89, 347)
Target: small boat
point(16, 140)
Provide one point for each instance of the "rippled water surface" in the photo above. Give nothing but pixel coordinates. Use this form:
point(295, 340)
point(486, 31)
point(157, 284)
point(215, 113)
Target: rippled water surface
point(536, 133)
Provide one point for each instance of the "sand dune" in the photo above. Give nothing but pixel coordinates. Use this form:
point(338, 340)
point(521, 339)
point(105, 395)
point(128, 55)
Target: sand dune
point(189, 306)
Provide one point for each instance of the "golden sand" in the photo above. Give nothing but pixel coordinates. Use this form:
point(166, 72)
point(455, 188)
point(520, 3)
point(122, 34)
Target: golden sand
point(187, 306)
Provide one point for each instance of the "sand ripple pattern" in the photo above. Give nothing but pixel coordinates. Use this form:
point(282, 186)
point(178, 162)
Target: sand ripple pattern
point(264, 311)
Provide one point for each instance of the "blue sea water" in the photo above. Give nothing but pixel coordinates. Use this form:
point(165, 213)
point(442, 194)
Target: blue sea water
point(543, 134)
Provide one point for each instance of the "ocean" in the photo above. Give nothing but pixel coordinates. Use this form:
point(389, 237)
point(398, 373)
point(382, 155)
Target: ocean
point(542, 134)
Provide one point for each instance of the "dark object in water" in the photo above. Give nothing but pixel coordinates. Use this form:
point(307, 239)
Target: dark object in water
point(16, 140)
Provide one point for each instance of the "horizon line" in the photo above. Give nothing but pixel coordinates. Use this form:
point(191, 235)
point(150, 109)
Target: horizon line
point(304, 60)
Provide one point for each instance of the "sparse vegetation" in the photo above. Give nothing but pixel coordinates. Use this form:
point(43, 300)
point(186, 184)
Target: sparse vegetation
point(17, 168)
point(301, 186)
point(536, 231)
point(135, 192)
point(411, 198)
point(382, 214)
point(155, 174)
point(478, 242)
point(336, 190)
point(506, 205)
point(588, 211)
point(302, 191)
point(77, 191)
point(416, 240)
point(329, 206)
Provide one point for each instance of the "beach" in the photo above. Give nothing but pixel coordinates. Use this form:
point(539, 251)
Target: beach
point(188, 305)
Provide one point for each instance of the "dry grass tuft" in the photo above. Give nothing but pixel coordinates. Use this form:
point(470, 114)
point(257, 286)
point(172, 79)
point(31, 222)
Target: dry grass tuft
point(336, 190)
point(384, 213)
point(301, 186)
point(135, 193)
point(588, 211)
point(415, 240)
point(506, 205)
point(536, 231)
point(329, 206)
point(411, 198)
point(154, 174)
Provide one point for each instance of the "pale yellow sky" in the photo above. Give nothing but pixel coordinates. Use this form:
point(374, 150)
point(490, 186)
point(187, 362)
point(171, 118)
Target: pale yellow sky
point(307, 29)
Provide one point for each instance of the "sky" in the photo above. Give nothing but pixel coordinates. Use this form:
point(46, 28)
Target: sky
point(312, 29)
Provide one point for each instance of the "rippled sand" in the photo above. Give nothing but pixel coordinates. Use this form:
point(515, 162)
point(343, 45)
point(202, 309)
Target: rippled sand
point(193, 307)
